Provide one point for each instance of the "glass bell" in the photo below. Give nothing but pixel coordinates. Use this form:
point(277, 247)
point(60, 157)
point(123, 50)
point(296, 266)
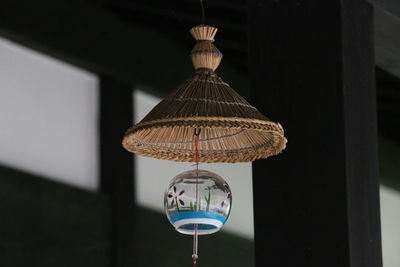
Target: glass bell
point(210, 212)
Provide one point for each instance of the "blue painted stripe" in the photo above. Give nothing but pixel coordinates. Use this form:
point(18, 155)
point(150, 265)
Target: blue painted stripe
point(206, 52)
point(197, 215)
point(200, 227)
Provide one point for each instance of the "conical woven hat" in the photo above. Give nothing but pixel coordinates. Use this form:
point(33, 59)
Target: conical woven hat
point(231, 130)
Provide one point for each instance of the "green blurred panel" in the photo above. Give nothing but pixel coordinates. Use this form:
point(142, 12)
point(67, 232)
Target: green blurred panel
point(47, 224)
point(161, 245)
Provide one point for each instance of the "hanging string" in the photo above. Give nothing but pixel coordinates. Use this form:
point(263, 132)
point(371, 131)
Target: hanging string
point(195, 255)
point(203, 12)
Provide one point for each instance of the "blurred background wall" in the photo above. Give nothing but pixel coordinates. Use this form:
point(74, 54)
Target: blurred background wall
point(53, 211)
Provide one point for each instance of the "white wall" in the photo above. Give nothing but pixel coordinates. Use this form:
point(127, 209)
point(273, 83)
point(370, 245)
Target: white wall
point(48, 117)
point(390, 214)
point(153, 177)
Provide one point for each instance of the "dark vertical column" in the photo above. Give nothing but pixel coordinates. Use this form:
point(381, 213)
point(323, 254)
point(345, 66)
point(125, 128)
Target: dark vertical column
point(359, 97)
point(117, 166)
point(312, 69)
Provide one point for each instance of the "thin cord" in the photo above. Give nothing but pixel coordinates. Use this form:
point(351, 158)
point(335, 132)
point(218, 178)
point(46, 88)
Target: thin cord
point(203, 12)
point(196, 233)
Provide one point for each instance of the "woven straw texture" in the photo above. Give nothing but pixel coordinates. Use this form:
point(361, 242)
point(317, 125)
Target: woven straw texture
point(231, 130)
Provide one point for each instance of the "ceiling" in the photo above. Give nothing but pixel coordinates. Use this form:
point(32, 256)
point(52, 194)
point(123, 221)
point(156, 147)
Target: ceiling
point(176, 17)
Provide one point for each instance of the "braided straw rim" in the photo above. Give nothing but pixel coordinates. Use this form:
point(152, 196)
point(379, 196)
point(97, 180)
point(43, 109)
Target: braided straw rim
point(273, 134)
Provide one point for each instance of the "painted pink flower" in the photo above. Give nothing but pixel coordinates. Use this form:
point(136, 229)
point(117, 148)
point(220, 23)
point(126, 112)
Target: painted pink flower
point(175, 198)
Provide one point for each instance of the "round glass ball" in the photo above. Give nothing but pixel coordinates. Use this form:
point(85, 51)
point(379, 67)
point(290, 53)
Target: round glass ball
point(209, 213)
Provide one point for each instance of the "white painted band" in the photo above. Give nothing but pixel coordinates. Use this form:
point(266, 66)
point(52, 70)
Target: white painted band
point(212, 222)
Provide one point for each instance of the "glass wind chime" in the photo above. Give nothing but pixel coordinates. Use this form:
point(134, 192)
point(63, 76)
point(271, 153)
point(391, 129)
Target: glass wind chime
point(203, 120)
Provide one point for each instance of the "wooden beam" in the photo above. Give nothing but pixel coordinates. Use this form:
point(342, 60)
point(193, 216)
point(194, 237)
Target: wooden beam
point(389, 6)
point(388, 96)
point(312, 69)
point(117, 175)
point(93, 37)
point(387, 42)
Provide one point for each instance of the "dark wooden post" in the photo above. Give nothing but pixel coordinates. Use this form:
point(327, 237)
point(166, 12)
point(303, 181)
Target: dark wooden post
point(312, 69)
point(116, 115)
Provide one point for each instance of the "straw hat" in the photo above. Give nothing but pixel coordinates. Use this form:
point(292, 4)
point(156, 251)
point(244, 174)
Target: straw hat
point(230, 129)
